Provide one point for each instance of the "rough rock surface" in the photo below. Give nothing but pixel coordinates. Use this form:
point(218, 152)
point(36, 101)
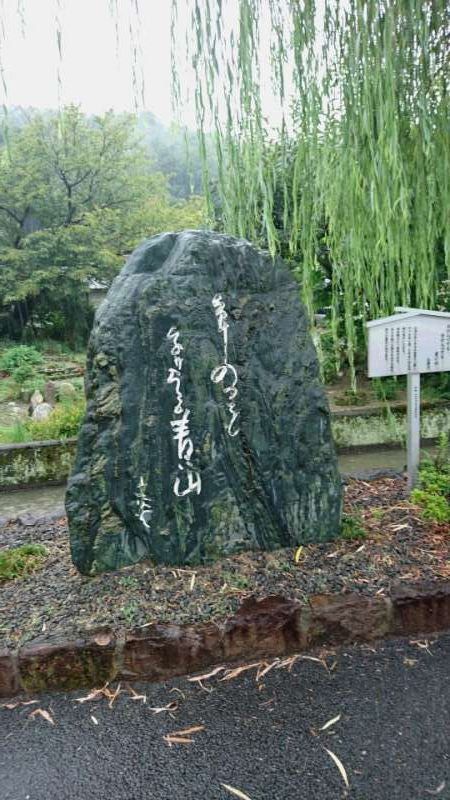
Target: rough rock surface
point(207, 430)
point(42, 411)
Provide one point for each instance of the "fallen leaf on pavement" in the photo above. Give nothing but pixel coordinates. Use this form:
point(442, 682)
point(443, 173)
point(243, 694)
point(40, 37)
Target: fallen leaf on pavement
point(103, 692)
point(208, 675)
point(169, 707)
point(177, 739)
point(94, 719)
point(298, 553)
point(187, 731)
point(236, 792)
point(330, 723)
point(340, 767)
point(41, 712)
point(233, 673)
point(19, 703)
point(136, 696)
point(439, 789)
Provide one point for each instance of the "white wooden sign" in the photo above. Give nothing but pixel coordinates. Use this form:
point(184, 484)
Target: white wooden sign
point(410, 342)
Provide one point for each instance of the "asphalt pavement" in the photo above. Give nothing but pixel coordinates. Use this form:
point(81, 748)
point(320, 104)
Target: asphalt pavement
point(389, 734)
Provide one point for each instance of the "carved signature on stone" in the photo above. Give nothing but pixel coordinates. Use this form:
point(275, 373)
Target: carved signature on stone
point(225, 373)
point(144, 505)
point(180, 426)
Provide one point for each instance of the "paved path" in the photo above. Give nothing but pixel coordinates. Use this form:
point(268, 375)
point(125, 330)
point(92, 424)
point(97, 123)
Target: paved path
point(263, 738)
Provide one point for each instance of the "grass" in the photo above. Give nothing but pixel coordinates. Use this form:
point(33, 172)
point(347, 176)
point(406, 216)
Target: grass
point(352, 527)
point(16, 562)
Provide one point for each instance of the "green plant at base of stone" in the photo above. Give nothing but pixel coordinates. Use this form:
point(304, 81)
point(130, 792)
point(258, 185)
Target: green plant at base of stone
point(352, 527)
point(128, 612)
point(15, 562)
point(433, 491)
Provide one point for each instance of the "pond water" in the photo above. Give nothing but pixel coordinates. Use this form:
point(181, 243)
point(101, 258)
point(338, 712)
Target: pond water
point(47, 499)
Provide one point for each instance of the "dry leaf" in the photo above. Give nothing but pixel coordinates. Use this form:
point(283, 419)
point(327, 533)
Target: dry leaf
point(340, 767)
point(169, 707)
point(187, 731)
point(330, 723)
point(177, 739)
point(208, 675)
point(94, 719)
point(19, 703)
point(236, 792)
point(192, 583)
point(233, 673)
point(298, 553)
point(136, 696)
point(41, 712)
point(114, 696)
point(439, 789)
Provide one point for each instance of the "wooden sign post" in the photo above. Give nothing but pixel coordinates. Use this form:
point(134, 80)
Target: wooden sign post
point(410, 342)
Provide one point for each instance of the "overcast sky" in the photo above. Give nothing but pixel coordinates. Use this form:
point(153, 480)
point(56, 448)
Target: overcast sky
point(93, 73)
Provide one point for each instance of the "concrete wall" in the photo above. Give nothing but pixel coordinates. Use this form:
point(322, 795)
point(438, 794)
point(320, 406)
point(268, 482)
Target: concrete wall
point(386, 428)
point(34, 463)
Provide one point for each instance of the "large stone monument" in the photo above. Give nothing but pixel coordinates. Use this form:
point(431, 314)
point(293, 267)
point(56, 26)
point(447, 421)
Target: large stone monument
point(207, 430)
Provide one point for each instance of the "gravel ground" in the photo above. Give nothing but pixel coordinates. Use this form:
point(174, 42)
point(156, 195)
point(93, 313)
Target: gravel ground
point(56, 599)
point(387, 709)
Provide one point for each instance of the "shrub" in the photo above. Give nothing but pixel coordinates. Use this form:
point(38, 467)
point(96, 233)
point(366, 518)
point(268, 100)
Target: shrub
point(21, 374)
point(18, 356)
point(385, 388)
point(352, 527)
point(63, 422)
point(433, 492)
point(15, 562)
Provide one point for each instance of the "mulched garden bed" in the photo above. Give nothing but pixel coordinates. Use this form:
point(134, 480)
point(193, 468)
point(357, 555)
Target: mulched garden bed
point(399, 546)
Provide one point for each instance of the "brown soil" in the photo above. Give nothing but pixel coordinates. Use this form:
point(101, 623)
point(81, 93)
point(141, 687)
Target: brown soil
point(398, 546)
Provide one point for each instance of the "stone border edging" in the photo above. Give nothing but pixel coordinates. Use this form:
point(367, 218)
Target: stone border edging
point(273, 626)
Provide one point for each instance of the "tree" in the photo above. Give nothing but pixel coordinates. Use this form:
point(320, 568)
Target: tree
point(76, 195)
point(361, 156)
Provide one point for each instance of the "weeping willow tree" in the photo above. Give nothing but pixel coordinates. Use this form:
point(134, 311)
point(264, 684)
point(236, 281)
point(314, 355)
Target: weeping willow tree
point(360, 153)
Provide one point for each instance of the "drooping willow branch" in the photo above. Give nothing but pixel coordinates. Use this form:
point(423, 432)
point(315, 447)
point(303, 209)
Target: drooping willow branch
point(360, 157)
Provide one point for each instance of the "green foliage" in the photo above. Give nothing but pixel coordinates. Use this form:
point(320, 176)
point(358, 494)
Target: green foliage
point(63, 422)
point(77, 194)
point(16, 562)
point(20, 356)
point(385, 388)
point(23, 374)
point(433, 492)
point(8, 390)
point(14, 434)
point(354, 183)
point(352, 527)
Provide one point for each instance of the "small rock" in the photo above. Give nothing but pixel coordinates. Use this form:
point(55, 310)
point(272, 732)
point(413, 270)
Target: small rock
point(65, 390)
point(50, 392)
point(42, 411)
point(36, 399)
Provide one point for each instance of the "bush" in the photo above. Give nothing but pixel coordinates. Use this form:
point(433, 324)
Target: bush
point(62, 423)
point(352, 527)
point(385, 388)
point(21, 374)
point(19, 356)
point(16, 562)
point(433, 491)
